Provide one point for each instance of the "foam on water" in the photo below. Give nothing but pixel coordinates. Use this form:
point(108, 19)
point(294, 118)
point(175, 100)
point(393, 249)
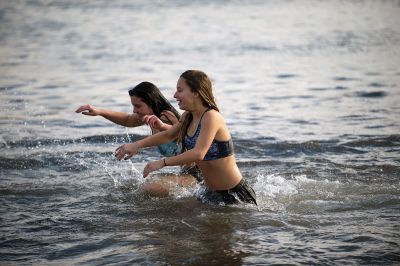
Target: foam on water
point(304, 195)
point(128, 176)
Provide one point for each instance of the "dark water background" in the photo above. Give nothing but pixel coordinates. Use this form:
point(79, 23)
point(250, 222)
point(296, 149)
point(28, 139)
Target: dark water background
point(310, 90)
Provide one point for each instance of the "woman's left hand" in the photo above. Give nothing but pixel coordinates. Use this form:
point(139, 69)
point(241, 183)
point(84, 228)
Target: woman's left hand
point(126, 151)
point(154, 122)
point(170, 116)
point(152, 166)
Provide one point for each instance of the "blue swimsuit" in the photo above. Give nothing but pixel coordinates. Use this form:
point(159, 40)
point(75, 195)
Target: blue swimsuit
point(217, 150)
point(169, 149)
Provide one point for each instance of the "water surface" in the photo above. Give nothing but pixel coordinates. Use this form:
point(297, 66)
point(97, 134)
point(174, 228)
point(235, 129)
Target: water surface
point(310, 91)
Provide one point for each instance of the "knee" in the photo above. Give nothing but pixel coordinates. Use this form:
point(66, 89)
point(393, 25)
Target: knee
point(155, 190)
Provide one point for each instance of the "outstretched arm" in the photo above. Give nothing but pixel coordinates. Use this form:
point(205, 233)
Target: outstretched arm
point(120, 118)
point(126, 151)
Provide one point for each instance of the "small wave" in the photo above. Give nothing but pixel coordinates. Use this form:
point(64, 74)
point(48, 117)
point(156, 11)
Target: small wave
point(303, 122)
point(319, 89)
point(258, 48)
point(279, 193)
point(118, 138)
point(384, 141)
point(261, 148)
point(278, 97)
point(274, 186)
point(362, 239)
point(328, 88)
point(339, 78)
point(49, 87)
point(11, 87)
point(33, 190)
point(302, 194)
point(64, 161)
point(371, 94)
point(376, 85)
point(341, 88)
point(126, 179)
point(20, 163)
point(286, 76)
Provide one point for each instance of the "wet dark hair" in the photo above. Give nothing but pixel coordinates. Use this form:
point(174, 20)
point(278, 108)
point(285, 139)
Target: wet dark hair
point(152, 96)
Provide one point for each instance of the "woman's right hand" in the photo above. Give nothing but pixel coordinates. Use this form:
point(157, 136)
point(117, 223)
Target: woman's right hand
point(170, 116)
point(126, 151)
point(155, 123)
point(88, 110)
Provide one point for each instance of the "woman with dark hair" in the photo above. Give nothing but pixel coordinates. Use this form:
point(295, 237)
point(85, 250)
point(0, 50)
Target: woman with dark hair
point(152, 108)
point(206, 141)
point(149, 107)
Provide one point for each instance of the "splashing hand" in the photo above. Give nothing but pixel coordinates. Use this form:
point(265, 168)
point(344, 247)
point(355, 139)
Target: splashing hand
point(154, 122)
point(88, 110)
point(126, 151)
point(152, 166)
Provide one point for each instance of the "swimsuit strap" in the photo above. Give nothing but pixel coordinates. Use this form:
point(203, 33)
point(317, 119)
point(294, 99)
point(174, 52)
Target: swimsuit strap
point(203, 115)
point(199, 124)
point(196, 132)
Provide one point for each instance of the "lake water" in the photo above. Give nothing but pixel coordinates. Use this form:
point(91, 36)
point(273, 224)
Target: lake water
point(310, 91)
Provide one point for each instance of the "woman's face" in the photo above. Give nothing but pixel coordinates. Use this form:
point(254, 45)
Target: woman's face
point(184, 95)
point(140, 107)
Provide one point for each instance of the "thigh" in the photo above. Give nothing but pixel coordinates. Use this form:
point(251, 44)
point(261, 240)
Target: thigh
point(161, 185)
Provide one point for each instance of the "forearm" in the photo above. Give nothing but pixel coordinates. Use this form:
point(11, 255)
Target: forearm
point(165, 127)
point(120, 118)
point(184, 158)
point(187, 157)
point(155, 140)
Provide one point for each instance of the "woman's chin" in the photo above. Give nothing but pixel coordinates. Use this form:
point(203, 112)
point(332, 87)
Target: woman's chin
point(182, 107)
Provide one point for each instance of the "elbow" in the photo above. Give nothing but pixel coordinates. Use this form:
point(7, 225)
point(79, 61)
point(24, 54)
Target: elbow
point(199, 155)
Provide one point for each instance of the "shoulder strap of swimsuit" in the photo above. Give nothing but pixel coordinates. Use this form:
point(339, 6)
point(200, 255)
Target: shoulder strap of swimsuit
point(199, 124)
point(204, 114)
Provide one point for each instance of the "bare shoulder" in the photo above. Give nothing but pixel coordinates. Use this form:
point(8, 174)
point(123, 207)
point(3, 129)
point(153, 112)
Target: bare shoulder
point(215, 121)
point(214, 116)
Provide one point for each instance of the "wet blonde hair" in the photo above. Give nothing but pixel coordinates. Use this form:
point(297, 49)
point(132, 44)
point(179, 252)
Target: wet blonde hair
point(198, 82)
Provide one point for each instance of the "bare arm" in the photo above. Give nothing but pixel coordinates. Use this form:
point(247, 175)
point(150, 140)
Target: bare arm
point(120, 118)
point(126, 151)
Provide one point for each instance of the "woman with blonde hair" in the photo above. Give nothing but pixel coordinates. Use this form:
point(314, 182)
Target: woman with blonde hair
point(205, 140)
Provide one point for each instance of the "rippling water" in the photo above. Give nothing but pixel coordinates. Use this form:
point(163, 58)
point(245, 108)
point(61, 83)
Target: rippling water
point(310, 90)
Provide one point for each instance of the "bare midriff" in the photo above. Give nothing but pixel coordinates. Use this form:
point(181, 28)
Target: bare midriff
point(220, 174)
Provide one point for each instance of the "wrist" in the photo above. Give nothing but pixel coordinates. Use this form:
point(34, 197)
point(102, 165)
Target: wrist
point(166, 126)
point(139, 144)
point(101, 112)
